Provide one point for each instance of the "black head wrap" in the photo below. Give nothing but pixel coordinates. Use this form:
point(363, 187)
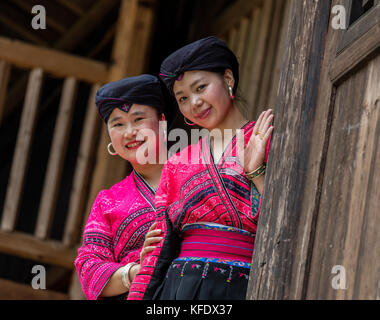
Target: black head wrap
point(144, 89)
point(210, 54)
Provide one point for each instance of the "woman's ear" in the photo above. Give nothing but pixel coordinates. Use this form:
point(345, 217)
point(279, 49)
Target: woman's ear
point(229, 78)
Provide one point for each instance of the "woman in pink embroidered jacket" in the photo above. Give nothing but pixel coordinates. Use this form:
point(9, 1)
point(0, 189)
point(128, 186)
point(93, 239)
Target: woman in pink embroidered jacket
point(121, 216)
point(208, 200)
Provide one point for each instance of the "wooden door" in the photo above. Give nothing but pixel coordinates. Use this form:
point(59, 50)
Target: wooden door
point(317, 235)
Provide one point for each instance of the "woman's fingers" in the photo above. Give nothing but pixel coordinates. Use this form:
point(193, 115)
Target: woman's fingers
point(257, 124)
point(152, 240)
point(267, 124)
point(153, 226)
point(152, 233)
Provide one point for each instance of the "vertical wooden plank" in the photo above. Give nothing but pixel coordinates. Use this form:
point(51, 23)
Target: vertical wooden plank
point(91, 129)
point(279, 55)
point(56, 159)
point(270, 55)
point(281, 251)
point(109, 169)
point(242, 38)
point(142, 40)
point(258, 64)
point(5, 69)
point(232, 39)
point(250, 52)
point(360, 183)
point(123, 43)
point(22, 151)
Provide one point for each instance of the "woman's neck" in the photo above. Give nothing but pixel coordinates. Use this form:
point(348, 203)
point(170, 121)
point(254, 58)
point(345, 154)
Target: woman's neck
point(150, 172)
point(234, 120)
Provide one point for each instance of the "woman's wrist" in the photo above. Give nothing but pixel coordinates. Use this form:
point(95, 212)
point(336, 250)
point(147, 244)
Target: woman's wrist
point(125, 274)
point(258, 172)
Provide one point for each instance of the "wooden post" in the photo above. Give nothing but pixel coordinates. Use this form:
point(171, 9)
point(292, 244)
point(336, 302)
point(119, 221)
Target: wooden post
point(4, 77)
point(56, 159)
point(22, 152)
point(284, 237)
point(76, 211)
point(111, 169)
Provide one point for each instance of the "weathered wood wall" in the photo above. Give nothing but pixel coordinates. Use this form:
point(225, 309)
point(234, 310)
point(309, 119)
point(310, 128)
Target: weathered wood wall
point(320, 201)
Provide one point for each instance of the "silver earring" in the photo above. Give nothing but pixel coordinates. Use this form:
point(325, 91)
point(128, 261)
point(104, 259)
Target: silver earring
point(188, 123)
point(231, 91)
point(110, 151)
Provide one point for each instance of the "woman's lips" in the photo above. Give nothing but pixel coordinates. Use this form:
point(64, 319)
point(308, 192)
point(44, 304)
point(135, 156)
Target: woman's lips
point(134, 145)
point(204, 114)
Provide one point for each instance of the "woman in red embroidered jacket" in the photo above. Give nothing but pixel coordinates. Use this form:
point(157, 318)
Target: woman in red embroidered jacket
point(121, 216)
point(209, 195)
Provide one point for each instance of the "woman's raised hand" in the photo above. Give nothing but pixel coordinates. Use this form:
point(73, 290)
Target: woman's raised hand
point(254, 152)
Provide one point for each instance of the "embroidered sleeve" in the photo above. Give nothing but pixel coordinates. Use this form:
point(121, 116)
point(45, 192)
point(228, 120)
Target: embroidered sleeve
point(154, 266)
point(255, 193)
point(95, 262)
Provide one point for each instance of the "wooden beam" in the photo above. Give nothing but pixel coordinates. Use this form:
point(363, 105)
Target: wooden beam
point(44, 251)
point(86, 24)
point(52, 61)
point(5, 69)
point(23, 32)
point(10, 290)
point(56, 159)
point(356, 52)
point(50, 22)
point(231, 16)
point(73, 6)
point(79, 191)
point(22, 151)
point(69, 40)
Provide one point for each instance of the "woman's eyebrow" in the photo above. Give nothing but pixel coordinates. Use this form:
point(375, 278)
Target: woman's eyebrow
point(196, 82)
point(191, 86)
point(114, 119)
point(138, 113)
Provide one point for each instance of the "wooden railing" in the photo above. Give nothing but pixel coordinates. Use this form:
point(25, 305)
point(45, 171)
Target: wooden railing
point(72, 69)
point(94, 168)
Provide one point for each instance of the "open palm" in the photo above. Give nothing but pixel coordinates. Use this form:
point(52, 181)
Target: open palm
point(254, 152)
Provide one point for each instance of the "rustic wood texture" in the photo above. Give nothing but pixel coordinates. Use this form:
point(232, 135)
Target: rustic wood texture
point(232, 15)
point(275, 269)
point(57, 63)
point(319, 206)
point(354, 53)
point(10, 290)
point(44, 251)
point(346, 234)
point(22, 151)
point(5, 69)
point(79, 191)
point(56, 159)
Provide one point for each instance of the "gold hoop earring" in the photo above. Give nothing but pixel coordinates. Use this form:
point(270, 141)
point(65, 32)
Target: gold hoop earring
point(110, 151)
point(188, 123)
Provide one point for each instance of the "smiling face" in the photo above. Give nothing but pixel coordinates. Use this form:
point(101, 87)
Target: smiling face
point(133, 130)
point(203, 97)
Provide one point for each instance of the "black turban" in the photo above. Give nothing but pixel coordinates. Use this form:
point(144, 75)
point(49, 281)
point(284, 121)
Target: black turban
point(210, 54)
point(144, 89)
